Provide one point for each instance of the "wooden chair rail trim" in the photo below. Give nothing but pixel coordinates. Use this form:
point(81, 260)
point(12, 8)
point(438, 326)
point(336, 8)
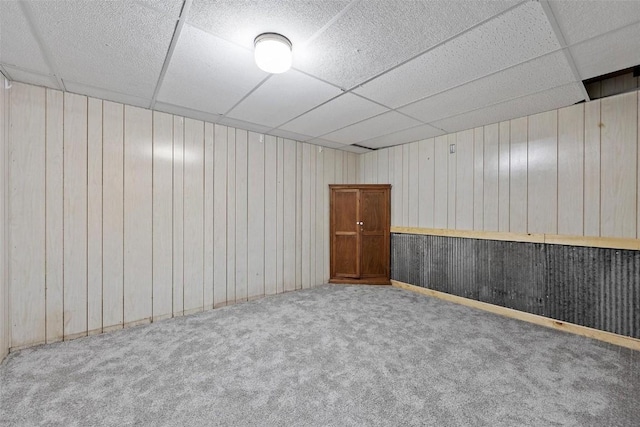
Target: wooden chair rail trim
point(572, 328)
point(552, 239)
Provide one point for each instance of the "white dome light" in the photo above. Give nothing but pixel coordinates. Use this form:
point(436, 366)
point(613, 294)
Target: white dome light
point(273, 53)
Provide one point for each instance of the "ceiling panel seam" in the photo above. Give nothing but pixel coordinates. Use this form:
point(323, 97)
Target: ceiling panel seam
point(328, 101)
point(398, 131)
point(174, 41)
point(477, 79)
point(263, 81)
point(548, 11)
point(461, 33)
point(26, 10)
point(332, 21)
point(503, 102)
point(4, 72)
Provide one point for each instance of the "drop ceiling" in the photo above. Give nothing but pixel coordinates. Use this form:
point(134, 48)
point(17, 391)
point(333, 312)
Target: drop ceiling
point(366, 73)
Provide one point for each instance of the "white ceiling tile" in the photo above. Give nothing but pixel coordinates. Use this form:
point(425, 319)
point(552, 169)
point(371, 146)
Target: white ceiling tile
point(404, 136)
point(283, 97)
point(516, 36)
point(241, 21)
point(520, 107)
point(208, 74)
point(289, 135)
point(580, 20)
point(171, 8)
point(107, 94)
point(608, 53)
point(18, 46)
point(24, 76)
point(371, 128)
point(335, 114)
point(540, 74)
point(375, 35)
point(187, 112)
point(239, 124)
point(116, 45)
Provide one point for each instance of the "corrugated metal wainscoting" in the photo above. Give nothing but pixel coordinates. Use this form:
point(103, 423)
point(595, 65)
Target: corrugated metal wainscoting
point(594, 287)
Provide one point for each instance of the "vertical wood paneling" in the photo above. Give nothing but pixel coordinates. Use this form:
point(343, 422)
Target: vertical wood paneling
point(405, 184)
point(518, 176)
point(319, 220)
point(312, 211)
point(231, 215)
point(491, 177)
point(339, 166)
point(619, 157)
point(397, 188)
point(374, 167)
point(592, 168)
point(178, 215)
point(503, 176)
point(299, 213)
point(571, 170)
point(208, 214)
point(426, 183)
point(94, 216)
point(543, 173)
point(138, 214)
point(4, 284)
point(256, 226)
point(345, 165)
point(363, 161)
point(413, 185)
point(306, 216)
point(75, 215)
point(273, 216)
point(102, 171)
point(27, 154)
point(441, 190)
point(162, 215)
point(113, 215)
point(451, 182)
point(220, 217)
point(241, 215)
point(291, 226)
point(329, 178)
point(352, 167)
point(54, 219)
point(193, 216)
point(478, 178)
point(464, 180)
point(383, 166)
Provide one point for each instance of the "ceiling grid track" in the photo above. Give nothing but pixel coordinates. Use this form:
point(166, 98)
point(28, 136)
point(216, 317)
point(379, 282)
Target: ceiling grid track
point(350, 90)
point(546, 7)
point(174, 40)
point(4, 72)
point(263, 81)
point(455, 36)
point(26, 10)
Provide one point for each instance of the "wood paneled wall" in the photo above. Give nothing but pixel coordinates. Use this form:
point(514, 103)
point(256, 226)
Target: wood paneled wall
point(4, 288)
point(572, 171)
point(121, 216)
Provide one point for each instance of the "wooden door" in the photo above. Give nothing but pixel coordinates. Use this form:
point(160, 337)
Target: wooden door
point(374, 232)
point(345, 233)
point(360, 223)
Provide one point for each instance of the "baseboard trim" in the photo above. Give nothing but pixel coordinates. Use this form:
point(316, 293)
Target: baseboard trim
point(608, 337)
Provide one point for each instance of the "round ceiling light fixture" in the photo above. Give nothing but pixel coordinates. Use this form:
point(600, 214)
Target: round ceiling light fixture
point(273, 53)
